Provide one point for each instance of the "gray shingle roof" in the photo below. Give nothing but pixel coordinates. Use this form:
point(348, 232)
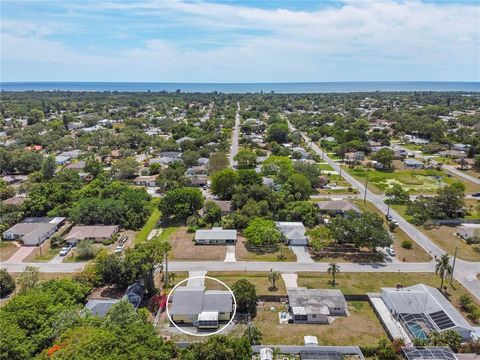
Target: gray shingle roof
point(193, 300)
point(314, 300)
point(216, 234)
point(100, 307)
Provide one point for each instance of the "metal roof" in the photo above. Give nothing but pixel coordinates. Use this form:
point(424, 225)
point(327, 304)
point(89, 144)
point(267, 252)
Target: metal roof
point(100, 307)
point(216, 234)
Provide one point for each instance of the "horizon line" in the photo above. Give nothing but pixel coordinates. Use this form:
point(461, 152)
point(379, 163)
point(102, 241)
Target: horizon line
point(220, 83)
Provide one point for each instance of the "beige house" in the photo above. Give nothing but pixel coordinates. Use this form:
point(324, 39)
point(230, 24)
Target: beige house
point(97, 233)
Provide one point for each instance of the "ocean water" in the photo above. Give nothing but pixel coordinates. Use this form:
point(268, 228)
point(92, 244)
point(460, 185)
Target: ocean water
point(240, 88)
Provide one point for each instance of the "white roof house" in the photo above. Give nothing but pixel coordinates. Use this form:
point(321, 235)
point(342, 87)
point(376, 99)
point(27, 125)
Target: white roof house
point(216, 236)
point(294, 232)
point(422, 309)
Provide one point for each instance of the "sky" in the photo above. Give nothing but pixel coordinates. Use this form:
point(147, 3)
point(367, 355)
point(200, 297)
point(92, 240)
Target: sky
point(240, 41)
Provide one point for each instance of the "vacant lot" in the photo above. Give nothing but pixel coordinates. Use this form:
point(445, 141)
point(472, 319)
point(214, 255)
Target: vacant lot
point(361, 283)
point(151, 222)
point(183, 248)
point(259, 279)
point(368, 329)
point(420, 181)
point(242, 254)
point(7, 249)
point(444, 236)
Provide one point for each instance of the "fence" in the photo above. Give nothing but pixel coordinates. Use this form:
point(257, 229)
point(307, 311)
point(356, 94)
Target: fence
point(454, 222)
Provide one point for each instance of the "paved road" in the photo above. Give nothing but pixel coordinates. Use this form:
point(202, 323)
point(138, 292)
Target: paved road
point(236, 130)
point(465, 271)
point(462, 174)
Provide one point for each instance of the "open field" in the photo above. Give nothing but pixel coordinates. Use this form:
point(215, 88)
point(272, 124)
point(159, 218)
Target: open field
point(325, 167)
point(421, 181)
point(368, 329)
point(242, 254)
point(415, 254)
point(7, 249)
point(183, 248)
point(259, 279)
point(361, 283)
point(473, 206)
point(444, 236)
point(151, 222)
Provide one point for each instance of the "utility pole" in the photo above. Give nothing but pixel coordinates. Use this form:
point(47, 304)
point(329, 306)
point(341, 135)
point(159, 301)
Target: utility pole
point(166, 268)
point(365, 195)
point(454, 260)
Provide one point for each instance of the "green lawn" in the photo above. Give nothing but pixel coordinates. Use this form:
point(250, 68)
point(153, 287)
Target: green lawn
point(325, 167)
point(46, 255)
point(151, 222)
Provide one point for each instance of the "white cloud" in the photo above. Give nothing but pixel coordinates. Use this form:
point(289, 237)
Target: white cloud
point(358, 41)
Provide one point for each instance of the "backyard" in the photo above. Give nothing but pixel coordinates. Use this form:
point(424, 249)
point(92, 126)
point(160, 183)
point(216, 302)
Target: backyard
point(368, 329)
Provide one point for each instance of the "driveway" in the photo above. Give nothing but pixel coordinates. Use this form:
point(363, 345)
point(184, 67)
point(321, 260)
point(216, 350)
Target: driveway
point(21, 253)
point(302, 254)
point(198, 281)
point(230, 255)
point(290, 280)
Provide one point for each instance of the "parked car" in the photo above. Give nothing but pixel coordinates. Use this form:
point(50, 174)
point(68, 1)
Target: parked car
point(64, 251)
point(123, 239)
point(390, 251)
point(119, 249)
point(477, 194)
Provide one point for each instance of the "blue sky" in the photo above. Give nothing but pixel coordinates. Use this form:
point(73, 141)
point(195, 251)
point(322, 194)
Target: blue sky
point(240, 41)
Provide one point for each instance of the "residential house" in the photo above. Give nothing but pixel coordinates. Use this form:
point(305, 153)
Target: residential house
point(293, 232)
point(316, 305)
point(336, 207)
point(148, 181)
point(413, 164)
point(422, 309)
point(34, 230)
point(453, 154)
point(215, 236)
point(100, 307)
point(354, 157)
point(224, 205)
point(97, 233)
point(15, 200)
point(77, 166)
point(62, 159)
point(205, 309)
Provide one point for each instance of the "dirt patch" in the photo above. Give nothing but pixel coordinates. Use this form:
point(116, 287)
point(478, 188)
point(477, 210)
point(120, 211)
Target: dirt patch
point(7, 249)
point(183, 248)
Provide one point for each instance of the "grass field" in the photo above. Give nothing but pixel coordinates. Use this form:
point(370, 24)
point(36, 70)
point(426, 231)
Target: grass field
point(151, 222)
point(325, 167)
point(7, 249)
point(368, 329)
point(420, 181)
point(415, 254)
point(42, 253)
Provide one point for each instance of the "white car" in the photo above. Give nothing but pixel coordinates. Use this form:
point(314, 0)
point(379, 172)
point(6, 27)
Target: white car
point(119, 249)
point(64, 251)
point(390, 251)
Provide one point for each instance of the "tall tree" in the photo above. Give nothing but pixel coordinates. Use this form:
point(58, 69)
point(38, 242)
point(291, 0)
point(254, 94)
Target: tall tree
point(443, 268)
point(224, 183)
point(48, 167)
point(273, 276)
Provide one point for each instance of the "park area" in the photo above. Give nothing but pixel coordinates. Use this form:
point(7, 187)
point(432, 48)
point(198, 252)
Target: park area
point(368, 329)
point(418, 181)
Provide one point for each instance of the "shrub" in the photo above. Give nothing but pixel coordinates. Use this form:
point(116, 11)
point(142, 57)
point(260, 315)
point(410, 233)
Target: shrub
point(407, 244)
point(7, 284)
point(56, 241)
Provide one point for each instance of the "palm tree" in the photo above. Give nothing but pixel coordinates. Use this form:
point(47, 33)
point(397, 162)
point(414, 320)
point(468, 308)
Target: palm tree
point(443, 268)
point(333, 270)
point(273, 276)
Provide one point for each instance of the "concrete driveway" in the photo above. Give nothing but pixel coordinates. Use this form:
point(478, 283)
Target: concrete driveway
point(21, 253)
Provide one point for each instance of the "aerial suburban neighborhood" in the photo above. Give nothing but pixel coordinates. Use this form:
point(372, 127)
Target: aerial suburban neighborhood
point(341, 224)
